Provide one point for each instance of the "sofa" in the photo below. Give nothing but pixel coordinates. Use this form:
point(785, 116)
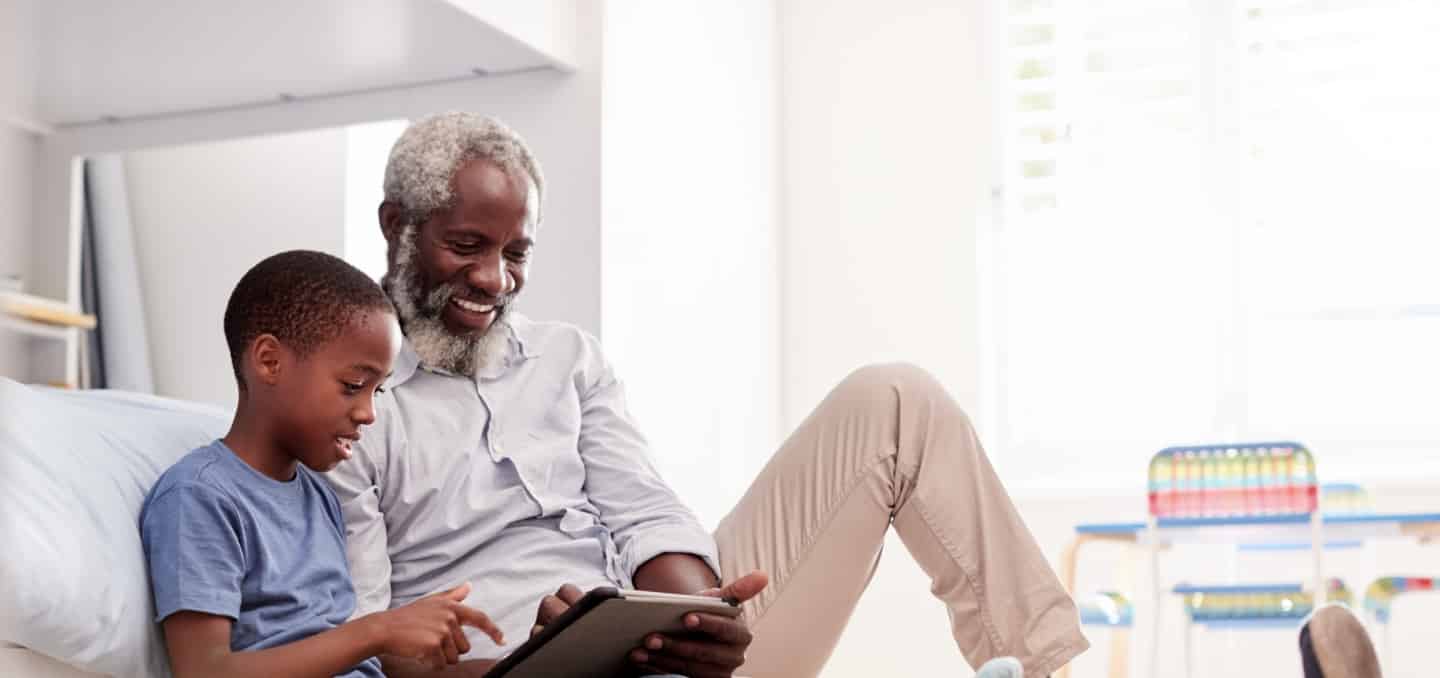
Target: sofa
point(74, 469)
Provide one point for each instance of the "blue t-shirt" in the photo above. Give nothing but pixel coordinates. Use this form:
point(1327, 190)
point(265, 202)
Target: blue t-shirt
point(224, 539)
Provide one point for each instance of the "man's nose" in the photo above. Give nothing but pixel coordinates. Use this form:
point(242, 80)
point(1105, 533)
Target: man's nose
point(489, 275)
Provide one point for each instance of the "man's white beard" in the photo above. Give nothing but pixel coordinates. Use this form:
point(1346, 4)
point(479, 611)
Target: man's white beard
point(420, 313)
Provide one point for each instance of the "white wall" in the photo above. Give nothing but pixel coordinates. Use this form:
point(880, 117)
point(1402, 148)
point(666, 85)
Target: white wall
point(19, 153)
point(203, 215)
point(689, 274)
point(558, 113)
point(885, 137)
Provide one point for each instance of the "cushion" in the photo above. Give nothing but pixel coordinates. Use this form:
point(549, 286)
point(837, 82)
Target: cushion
point(74, 469)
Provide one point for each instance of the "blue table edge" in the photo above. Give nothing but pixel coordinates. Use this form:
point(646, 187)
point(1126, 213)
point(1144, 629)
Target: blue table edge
point(1289, 519)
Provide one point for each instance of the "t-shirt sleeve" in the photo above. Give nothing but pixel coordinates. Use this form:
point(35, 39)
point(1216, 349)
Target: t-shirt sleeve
point(193, 541)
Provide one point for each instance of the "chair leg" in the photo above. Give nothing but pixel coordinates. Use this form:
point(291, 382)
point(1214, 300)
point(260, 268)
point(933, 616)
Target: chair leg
point(1120, 652)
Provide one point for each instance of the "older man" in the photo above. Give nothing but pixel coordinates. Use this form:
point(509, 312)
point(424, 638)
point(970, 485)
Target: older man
point(503, 455)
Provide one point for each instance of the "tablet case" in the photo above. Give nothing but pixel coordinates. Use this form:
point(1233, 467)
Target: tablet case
point(594, 637)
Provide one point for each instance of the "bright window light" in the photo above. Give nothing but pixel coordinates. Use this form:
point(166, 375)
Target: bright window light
point(367, 148)
point(1215, 221)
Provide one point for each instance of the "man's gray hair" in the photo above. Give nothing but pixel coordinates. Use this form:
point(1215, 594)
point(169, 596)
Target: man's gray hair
point(423, 162)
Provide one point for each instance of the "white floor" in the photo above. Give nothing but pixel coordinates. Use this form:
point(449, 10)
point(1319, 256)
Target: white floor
point(899, 630)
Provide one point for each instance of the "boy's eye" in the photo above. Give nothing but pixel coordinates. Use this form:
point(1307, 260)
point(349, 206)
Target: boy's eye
point(352, 388)
point(379, 390)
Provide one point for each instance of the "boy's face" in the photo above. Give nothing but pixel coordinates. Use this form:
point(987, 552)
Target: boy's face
point(326, 397)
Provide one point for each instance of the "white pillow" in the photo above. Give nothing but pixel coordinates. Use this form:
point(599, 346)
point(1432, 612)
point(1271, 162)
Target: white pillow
point(74, 469)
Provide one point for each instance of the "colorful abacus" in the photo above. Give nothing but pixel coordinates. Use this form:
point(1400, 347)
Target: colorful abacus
point(1344, 499)
point(1231, 481)
point(1255, 602)
point(1380, 593)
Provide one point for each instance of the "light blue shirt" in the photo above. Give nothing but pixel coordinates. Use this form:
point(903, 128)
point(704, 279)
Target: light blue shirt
point(528, 476)
point(224, 539)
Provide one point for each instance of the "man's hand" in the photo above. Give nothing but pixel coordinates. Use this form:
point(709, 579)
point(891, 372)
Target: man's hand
point(429, 629)
point(552, 606)
point(716, 645)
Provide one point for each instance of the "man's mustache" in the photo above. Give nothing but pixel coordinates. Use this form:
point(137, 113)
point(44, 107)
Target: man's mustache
point(435, 301)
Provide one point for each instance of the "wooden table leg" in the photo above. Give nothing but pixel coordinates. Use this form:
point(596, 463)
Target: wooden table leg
point(1069, 561)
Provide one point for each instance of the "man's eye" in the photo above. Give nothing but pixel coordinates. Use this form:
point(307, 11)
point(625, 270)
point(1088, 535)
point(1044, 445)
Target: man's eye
point(465, 247)
point(517, 256)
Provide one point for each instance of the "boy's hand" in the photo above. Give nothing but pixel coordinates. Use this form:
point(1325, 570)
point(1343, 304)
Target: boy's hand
point(429, 629)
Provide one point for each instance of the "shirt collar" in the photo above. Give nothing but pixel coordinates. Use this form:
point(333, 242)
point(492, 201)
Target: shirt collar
point(516, 326)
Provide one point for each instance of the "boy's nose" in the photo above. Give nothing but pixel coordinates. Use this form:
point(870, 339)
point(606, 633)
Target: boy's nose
point(363, 415)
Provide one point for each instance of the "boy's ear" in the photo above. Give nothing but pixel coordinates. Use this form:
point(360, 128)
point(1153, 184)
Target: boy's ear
point(267, 356)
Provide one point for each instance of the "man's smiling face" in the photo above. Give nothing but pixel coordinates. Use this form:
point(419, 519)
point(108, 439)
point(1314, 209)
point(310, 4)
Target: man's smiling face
point(453, 276)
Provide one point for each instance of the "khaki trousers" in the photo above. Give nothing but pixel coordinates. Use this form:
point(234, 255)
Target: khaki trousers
point(889, 447)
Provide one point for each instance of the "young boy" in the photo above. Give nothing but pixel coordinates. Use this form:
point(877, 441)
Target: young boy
point(245, 541)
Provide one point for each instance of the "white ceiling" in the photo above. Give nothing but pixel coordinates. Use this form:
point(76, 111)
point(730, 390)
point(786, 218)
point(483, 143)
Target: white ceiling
point(101, 60)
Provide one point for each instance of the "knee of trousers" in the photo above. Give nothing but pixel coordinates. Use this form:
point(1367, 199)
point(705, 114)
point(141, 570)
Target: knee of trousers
point(886, 386)
point(886, 391)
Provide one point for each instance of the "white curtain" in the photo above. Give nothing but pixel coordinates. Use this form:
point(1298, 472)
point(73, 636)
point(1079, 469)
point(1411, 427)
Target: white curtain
point(120, 358)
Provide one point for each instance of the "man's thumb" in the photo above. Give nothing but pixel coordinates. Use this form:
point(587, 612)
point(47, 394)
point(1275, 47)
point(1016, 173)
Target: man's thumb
point(746, 587)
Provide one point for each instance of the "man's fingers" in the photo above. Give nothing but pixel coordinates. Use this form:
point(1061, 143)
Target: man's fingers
point(700, 652)
point(536, 629)
point(472, 617)
point(721, 629)
point(570, 594)
point(550, 608)
point(662, 663)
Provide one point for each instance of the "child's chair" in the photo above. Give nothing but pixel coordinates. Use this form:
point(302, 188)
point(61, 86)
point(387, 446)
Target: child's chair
point(1113, 611)
point(1378, 597)
point(1242, 483)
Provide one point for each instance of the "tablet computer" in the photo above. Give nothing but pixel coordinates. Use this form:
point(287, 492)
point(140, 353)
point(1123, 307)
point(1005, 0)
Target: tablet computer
point(594, 637)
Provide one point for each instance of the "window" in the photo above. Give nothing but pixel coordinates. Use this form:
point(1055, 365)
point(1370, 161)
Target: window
point(367, 150)
point(1214, 222)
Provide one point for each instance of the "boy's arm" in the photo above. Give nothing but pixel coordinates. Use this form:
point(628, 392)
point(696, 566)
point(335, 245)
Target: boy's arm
point(400, 667)
point(430, 629)
point(199, 645)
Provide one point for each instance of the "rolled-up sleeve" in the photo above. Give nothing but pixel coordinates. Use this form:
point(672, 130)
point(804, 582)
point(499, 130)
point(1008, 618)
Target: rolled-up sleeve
point(642, 513)
point(356, 483)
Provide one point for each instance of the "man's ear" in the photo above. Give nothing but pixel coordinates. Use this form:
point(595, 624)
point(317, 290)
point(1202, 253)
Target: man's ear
point(267, 358)
point(392, 220)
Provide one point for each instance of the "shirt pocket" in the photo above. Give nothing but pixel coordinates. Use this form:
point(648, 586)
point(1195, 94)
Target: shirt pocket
point(545, 448)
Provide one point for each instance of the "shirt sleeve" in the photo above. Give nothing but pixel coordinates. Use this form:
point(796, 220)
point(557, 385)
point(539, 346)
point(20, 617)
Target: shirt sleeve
point(644, 515)
point(356, 482)
point(194, 544)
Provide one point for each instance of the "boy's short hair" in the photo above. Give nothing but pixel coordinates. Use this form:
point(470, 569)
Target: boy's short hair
point(304, 298)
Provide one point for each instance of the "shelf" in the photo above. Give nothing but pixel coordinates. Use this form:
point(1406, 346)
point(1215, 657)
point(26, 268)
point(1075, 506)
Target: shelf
point(31, 328)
